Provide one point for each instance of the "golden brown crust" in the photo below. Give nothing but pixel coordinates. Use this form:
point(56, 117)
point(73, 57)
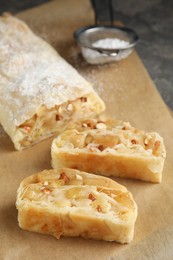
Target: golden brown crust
point(72, 203)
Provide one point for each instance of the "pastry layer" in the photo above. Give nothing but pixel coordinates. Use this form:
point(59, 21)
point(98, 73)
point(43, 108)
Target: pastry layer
point(67, 202)
point(110, 148)
point(38, 88)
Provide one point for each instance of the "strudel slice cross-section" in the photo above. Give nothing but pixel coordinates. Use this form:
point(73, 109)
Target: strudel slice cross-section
point(40, 93)
point(67, 202)
point(110, 148)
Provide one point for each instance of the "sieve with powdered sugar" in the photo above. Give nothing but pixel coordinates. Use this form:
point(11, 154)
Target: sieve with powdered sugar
point(105, 43)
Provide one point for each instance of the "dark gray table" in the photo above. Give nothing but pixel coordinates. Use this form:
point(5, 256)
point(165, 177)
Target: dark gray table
point(152, 20)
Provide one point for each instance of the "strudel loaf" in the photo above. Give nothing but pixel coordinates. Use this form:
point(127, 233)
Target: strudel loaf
point(108, 148)
point(67, 202)
point(40, 93)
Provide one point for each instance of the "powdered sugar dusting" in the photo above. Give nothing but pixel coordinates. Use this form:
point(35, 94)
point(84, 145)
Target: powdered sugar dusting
point(98, 85)
point(87, 71)
point(107, 79)
point(49, 80)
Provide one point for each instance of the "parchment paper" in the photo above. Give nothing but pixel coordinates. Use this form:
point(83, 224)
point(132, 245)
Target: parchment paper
point(130, 95)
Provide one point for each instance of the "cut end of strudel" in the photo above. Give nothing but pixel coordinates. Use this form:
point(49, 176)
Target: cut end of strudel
point(40, 93)
point(108, 148)
point(67, 202)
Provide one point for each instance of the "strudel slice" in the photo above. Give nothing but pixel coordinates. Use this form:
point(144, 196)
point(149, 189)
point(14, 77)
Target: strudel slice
point(110, 148)
point(67, 202)
point(40, 93)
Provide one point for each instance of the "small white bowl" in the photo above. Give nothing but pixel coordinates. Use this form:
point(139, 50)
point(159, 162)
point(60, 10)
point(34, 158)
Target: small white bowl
point(87, 36)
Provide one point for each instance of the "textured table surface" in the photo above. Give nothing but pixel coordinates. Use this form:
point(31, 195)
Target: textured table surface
point(152, 20)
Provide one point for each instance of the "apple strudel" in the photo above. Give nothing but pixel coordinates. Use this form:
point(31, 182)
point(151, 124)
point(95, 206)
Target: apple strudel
point(67, 202)
point(40, 93)
point(108, 148)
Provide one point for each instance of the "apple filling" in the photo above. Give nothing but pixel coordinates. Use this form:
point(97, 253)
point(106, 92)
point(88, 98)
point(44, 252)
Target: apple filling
point(117, 139)
point(61, 195)
point(47, 122)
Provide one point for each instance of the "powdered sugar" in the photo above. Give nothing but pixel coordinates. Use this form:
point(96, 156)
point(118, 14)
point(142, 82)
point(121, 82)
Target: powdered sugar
point(100, 55)
point(110, 43)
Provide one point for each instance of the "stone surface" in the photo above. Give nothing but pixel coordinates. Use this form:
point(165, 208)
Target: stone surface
point(151, 19)
point(154, 24)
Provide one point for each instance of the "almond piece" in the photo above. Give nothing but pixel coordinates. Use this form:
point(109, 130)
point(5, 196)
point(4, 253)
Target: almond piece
point(70, 107)
point(84, 125)
point(58, 117)
point(91, 197)
point(101, 126)
point(63, 176)
point(27, 128)
point(83, 99)
point(78, 177)
point(46, 190)
point(133, 141)
point(101, 147)
point(45, 183)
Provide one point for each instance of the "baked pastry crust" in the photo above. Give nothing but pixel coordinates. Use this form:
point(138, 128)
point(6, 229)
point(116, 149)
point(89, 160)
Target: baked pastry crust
point(67, 202)
point(108, 148)
point(40, 93)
